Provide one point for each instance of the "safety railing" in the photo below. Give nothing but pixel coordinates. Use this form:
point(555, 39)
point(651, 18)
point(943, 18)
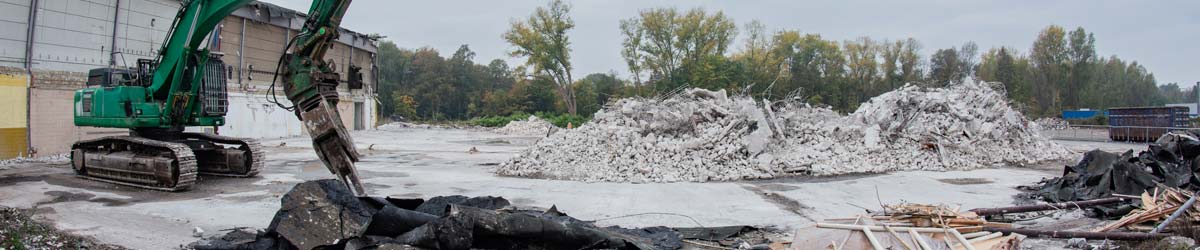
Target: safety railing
point(1104, 133)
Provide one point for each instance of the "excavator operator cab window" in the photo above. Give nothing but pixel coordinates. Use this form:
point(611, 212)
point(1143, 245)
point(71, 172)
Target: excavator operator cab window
point(109, 77)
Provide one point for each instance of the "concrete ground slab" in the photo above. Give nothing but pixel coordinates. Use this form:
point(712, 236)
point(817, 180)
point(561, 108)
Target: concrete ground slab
point(422, 163)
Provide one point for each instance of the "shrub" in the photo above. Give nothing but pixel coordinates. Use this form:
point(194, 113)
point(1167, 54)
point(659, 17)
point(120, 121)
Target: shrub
point(498, 121)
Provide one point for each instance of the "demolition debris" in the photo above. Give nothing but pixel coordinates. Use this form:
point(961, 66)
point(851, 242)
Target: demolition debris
point(700, 135)
point(1170, 161)
point(323, 214)
point(533, 126)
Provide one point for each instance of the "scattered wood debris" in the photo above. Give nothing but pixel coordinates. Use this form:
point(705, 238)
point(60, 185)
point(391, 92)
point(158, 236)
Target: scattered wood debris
point(1156, 206)
point(909, 226)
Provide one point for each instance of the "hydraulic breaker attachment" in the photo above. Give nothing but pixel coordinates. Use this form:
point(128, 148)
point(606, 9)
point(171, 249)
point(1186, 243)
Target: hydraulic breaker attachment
point(333, 145)
point(311, 84)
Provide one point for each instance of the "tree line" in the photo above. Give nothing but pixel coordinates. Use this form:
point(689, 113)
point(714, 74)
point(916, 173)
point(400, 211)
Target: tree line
point(666, 49)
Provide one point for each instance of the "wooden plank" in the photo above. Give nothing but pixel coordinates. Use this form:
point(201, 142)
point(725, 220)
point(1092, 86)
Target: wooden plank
point(871, 238)
point(986, 237)
point(963, 240)
point(917, 238)
point(879, 228)
point(897, 236)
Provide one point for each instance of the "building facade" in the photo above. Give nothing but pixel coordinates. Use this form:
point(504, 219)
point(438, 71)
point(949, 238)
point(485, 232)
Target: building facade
point(47, 47)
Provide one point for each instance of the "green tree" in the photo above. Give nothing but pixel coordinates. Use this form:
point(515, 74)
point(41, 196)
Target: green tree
point(630, 47)
point(945, 68)
point(1004, 66)
point(862, 69)
point(910, 61)
point(761, 61)
point(815, 69)
point(668, 41)
point(1081, 54)
point(1049, 57)
point(404, 105)
point(542, 40)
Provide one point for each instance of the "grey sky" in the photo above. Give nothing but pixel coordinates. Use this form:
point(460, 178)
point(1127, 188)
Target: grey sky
point(1161, 35)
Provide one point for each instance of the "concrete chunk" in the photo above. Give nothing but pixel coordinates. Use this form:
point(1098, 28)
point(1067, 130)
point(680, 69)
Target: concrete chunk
point(320, 212)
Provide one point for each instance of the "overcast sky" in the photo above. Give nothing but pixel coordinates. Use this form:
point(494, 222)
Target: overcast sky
point(1161, 35)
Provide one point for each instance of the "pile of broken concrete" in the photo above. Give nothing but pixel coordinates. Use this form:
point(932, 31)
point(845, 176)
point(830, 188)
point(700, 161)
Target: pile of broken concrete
point(701, 135)
point(533, 126)
point(324, 214)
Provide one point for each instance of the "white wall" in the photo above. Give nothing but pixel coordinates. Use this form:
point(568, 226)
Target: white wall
point(252, 116)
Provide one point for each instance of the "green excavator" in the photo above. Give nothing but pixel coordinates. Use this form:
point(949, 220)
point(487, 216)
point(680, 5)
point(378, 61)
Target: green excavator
point(185, 86)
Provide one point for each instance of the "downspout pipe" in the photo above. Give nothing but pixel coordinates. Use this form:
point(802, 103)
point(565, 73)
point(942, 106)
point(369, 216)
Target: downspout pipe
point(112, 55)
point(241, 53)
point(29, 29)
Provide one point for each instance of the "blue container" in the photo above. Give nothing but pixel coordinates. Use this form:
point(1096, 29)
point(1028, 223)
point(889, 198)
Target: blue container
point(1144, 123)
point(1079, 114)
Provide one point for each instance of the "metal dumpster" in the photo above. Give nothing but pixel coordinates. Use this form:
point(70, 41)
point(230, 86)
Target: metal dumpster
point(1144, 124)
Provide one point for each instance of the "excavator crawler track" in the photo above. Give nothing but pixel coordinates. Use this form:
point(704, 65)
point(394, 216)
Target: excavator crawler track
point(250, 151)
point(135, 161)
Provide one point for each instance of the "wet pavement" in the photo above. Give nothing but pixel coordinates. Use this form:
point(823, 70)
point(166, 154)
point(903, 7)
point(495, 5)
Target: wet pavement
point(422, 163)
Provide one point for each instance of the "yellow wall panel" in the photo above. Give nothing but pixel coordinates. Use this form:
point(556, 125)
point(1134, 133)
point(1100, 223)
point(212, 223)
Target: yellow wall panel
point(12, 142)
point(12, 80)
point(12, 101)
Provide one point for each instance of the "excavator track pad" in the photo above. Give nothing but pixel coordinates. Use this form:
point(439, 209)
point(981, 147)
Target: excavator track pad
point(135, 161)
point(241, 158)
point(165, 165)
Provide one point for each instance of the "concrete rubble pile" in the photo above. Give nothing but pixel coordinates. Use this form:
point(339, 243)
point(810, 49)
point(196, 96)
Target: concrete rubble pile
point(700, 135)
point(1052, 123)
point(56, 158)
point(404, 125)
point(324, 214)
point(533, 126)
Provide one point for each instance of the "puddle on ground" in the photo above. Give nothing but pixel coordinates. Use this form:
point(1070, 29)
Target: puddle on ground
point(783, 202)
point(778, 187)
point(965, 181)
point(64, 196)
point(408, 195)
point(510, 141)
point(373, 186)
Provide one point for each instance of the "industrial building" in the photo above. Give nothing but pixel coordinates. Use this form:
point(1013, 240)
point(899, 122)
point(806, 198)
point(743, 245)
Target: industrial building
point(47, 47)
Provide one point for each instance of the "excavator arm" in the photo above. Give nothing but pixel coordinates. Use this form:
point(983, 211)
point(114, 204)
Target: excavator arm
point(310, 83)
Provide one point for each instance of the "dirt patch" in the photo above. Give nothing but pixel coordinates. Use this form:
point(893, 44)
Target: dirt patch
point(966, 181)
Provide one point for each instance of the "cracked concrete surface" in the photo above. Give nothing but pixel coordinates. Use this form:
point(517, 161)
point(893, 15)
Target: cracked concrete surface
point(410, 163)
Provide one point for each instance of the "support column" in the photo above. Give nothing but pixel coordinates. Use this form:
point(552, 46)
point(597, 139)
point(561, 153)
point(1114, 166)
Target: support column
point(241, 53)
point(31, 26)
